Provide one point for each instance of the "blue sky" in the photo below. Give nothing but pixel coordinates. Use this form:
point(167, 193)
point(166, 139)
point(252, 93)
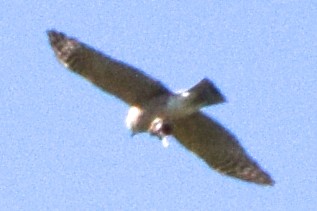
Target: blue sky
point(64, 144)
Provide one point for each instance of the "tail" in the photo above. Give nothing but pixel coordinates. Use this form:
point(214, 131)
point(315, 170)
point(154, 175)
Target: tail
point(206, 93)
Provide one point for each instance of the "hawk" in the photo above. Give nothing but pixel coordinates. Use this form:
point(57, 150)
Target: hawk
point(161, 112)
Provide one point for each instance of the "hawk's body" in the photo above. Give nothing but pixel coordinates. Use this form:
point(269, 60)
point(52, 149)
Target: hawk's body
point(177, 114)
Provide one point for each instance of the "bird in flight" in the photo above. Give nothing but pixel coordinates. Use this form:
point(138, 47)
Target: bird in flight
point(161, 112)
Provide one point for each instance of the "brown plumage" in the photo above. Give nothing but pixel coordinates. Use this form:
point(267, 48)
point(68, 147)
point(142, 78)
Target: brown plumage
point(197, 132)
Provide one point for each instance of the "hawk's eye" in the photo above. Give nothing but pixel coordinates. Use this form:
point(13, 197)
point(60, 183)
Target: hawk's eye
point(167, 128)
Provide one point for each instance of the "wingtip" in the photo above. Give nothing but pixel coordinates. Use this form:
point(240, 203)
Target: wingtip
point(263, 177)
point(54, 35)
point(62, 46)
point(268, 181)
point(51, 32)
point(258, 176)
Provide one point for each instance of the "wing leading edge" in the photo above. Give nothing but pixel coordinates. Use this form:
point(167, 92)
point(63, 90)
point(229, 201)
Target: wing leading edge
point(125, 82)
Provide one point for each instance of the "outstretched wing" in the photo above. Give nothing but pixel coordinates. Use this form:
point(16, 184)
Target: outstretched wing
point(127, 83)
point(220, 149)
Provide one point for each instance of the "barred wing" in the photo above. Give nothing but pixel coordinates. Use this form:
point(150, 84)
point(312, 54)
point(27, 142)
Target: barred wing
point(220, 149)
point(127, 83)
